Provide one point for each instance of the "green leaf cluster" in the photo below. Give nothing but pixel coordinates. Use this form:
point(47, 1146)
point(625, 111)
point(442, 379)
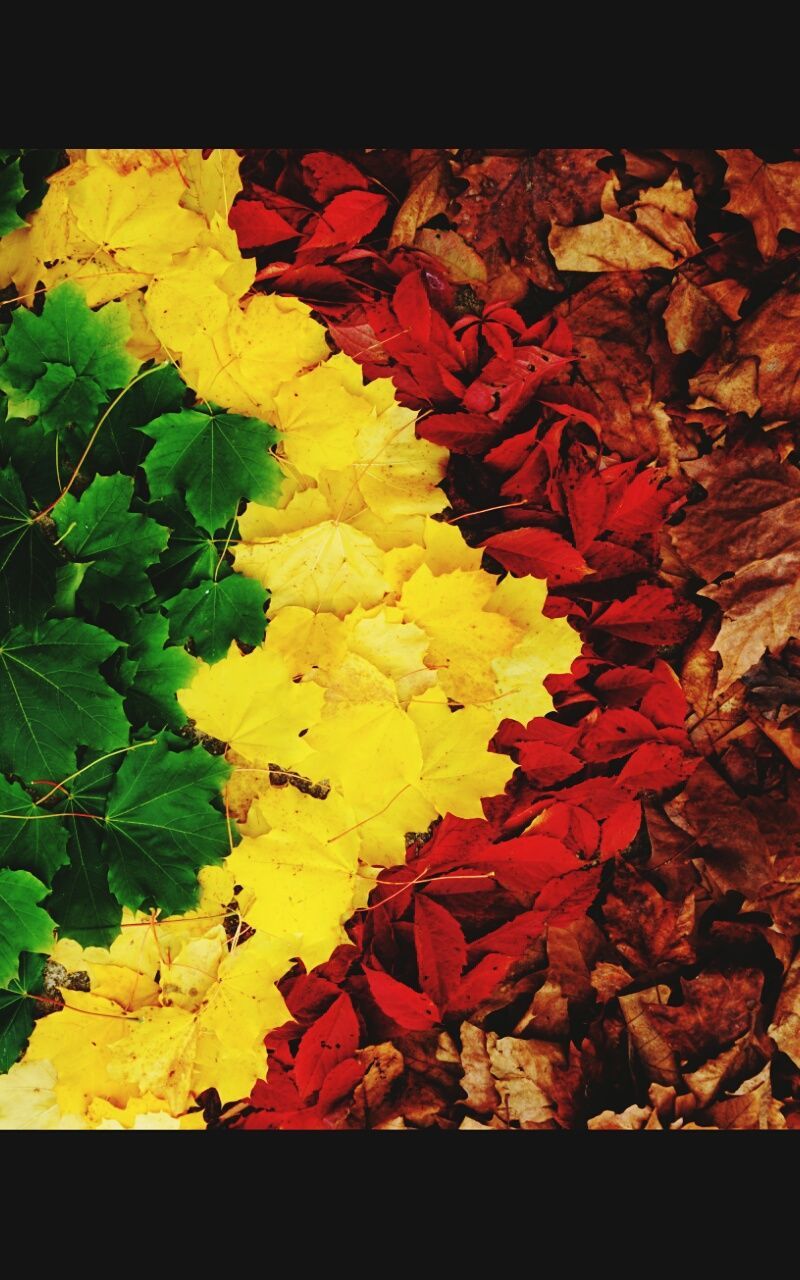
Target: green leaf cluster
point(117, 506)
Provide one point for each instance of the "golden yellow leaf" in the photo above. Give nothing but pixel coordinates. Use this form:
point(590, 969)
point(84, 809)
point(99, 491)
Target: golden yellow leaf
point(458, 771)
point(317, 563)
point(320, 414)
point(251, 702)
point(136, 217)
point(386, 800)
point(464, 637)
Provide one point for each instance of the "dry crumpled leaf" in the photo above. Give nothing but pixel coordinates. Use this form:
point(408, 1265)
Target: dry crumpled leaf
point(477, 1083)
point(533, 1079)
point(747, 524)
point(729, 839)
point(655, 231)
point(753, 371)
point(653, 1049)
point(626, 365)
point(510, 202)
point(785, 1028)
point(768, 195)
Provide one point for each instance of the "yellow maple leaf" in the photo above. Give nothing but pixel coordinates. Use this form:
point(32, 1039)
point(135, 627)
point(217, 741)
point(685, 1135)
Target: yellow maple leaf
point(28, 1098)
point(242, 1006)
point(311, 644)
point(386, 802)
point(136, 217)
point(458, 771)
point(441, 547)
point(464, 637)
point(320, 414)
point(77, 1040)
point(308, 560)
point(212, 184)
point(244, 362)
point(250, 702)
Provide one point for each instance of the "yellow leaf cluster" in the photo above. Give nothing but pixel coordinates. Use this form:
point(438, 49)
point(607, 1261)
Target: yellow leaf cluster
point(172, 1011)
point(151, 227)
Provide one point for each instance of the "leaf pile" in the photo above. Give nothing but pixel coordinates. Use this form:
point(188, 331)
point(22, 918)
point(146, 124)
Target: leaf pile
point(603, 341)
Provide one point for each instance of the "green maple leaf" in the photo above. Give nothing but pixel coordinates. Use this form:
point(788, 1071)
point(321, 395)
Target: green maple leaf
point(213, 614)
point(16, 1008)
point(81, 902)
point(52, 697)
point(191, 555)
point(215, 460)
point(27, 561)
point(119, 446)
point(31, 837)
point(119, 544)
point(152, 673)
point(62, 365)
point(161, 826)
point(23, 924)
point(12, 191)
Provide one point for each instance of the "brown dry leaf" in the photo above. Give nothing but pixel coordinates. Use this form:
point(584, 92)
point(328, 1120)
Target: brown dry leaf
point(706, 1082)
point(477, 1081)
point(785, 1028)
point(632, 1117)
point(463, 264)
point(385, 1065)
point(654, 1051)
point(692, 318)
point(728, 295)
point(652, 232)
point(609, 979)
point(755, 368)
point(427, 196)
point(625, 364)
point(752, 1106)
point(535, 1080)
point(716, 1009)
point(510, 202)
point(647, 929)
point(760, 611)
point(728, 836)
point(768, 195)
point(751, 512)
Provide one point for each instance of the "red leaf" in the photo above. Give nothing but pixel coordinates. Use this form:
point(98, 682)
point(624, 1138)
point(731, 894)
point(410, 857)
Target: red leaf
point(441, 949)
point(328, 1041)
point(256, 226)
point(586, 505)
point(347, 218)
point(615, 734)
point(539, 552)
point(412, 307)
point(652, 616)
point(656, 767)
point(404, 1006)
point(526, 863)
point(564, 899)
point(469, 433)
point(480, 983)
point(547, 764)
point(342, 1080)
point(327, 175)
point(620, 828)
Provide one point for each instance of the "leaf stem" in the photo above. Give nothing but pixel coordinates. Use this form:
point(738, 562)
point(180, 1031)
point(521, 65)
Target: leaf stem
point(90, 442)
